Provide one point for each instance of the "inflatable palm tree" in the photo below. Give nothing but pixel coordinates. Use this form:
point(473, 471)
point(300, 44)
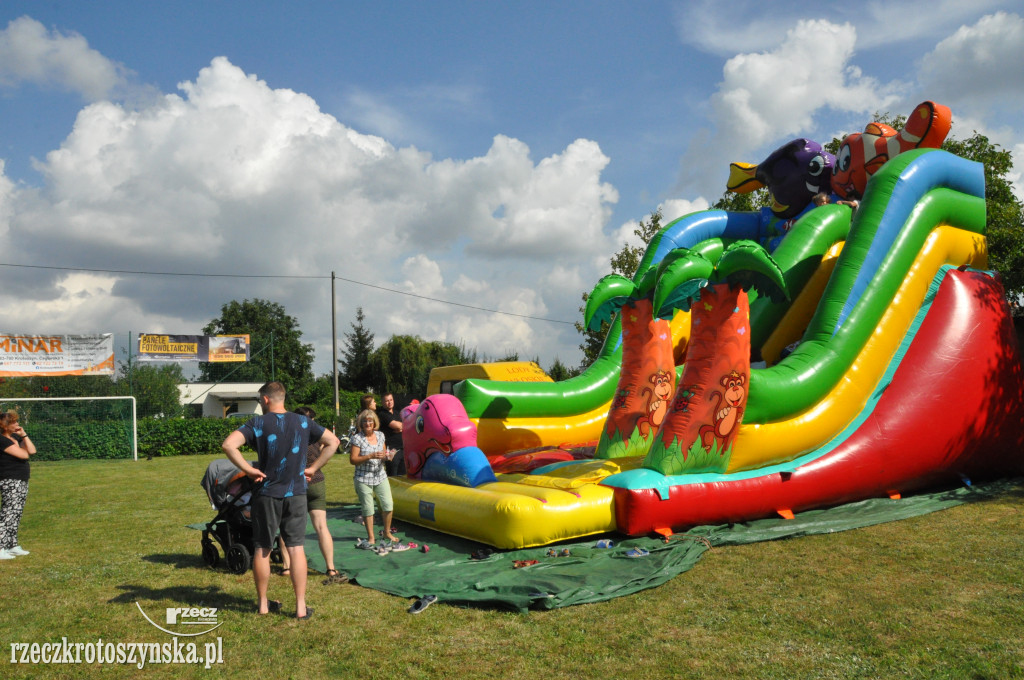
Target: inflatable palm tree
point(646, 395)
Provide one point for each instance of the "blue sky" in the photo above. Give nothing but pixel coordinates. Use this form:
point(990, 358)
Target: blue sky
point(490, 154)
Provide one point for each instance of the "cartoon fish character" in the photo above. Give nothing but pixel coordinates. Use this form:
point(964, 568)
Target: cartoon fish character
point(861, 154)
point(793, 173)
point(440, 425)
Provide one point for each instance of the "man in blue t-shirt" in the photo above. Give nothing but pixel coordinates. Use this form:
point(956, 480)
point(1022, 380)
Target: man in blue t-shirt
point(280, 439)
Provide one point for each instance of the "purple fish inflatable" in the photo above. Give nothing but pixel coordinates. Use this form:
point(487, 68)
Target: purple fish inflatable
point(793, 173)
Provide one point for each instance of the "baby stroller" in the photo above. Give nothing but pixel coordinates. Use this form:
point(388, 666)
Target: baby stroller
point(229, 491)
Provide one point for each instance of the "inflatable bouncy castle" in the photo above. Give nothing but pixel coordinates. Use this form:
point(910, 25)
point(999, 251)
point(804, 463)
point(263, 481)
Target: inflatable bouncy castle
point(757, 364)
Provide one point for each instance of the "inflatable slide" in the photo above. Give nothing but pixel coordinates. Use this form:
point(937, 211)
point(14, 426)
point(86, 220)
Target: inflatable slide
point(870, 354)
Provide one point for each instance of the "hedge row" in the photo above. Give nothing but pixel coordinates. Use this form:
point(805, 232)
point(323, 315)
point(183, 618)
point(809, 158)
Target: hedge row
point(157, 437)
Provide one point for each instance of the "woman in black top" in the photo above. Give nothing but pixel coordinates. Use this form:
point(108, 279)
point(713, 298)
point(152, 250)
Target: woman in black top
point(15, 448)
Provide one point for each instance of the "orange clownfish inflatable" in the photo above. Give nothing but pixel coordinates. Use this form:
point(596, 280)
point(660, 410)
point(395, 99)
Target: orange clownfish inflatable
point(863, 153)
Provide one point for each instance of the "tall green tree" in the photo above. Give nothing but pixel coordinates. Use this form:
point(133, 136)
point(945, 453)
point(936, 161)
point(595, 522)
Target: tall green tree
point(1004, 213)
point(155, 388)
point(625, 263)
point(276, 347)
point(403, 363)
point(560, 371)
point(356, 375)
point(733, 202)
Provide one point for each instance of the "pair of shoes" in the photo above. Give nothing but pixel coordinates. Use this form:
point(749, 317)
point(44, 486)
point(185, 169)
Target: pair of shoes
point(273, 607)
point(519, 564)
point(422, 603)
point(363, 544)
point(638, 552)
point(481, 554)
point(564, 552)
point(5, 554)
point(307, 617)
point(400, 547)
point(17, 551)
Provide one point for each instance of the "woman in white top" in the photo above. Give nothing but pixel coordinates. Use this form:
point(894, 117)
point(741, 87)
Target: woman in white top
point(368, 452)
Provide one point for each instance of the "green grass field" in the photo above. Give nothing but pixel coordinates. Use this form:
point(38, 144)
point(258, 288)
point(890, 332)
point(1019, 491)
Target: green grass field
point(938, 596)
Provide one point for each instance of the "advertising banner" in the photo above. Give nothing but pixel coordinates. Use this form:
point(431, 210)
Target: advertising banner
point(31, 355)
point(216, 348)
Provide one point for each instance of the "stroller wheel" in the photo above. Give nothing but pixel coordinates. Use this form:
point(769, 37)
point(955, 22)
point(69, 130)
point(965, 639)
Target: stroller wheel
point(239, 559)
point(210, 554)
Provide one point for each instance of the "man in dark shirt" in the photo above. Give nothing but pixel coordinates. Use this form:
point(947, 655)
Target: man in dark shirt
point(391, 426)
point(280, 439)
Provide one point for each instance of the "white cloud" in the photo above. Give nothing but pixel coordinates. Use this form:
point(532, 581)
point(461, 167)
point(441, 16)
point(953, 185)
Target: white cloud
point(752, 26)
point(773, 96)
point(979, 65)
point(882, 23)
point(675, 208)
point(231, 176)
point(31, 54)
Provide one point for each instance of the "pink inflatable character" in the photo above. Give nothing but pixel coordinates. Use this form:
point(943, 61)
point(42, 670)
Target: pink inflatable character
point(439, 424)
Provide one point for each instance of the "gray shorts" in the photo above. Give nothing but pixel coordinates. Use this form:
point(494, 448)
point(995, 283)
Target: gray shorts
point(269, 515)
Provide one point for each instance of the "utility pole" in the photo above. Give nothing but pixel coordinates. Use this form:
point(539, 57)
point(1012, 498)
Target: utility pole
point(334, 345)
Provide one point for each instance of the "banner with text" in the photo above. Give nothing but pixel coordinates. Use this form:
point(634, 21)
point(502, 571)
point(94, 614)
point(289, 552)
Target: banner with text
point(215, 348)
point(31, 355)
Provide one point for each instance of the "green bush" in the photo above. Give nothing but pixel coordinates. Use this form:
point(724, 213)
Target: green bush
point(183, 436)
point(159, 437)
point(82, 440)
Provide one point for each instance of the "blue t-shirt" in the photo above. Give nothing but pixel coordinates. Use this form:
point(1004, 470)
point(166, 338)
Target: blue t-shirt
point(280, 440)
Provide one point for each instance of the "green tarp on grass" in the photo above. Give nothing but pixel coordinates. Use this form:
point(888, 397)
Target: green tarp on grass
point(589, 574)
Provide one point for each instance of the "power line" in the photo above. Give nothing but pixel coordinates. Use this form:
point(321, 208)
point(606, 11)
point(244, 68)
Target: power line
point(284, 276)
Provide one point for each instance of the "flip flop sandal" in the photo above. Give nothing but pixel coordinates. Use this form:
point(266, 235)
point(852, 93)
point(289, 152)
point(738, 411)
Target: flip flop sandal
point(308, 616)
point(363, 544)
point(422, 604)
point(286, 572)
point(638, 552)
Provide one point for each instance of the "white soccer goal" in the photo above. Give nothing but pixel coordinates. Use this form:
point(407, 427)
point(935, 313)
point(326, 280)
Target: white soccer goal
point(64, 428)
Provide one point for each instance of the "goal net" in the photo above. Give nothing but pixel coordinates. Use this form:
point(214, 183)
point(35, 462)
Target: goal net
point(68, 428)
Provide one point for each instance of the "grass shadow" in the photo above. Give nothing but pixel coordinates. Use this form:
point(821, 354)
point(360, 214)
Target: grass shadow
point(177, 560)
point(197, 596)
